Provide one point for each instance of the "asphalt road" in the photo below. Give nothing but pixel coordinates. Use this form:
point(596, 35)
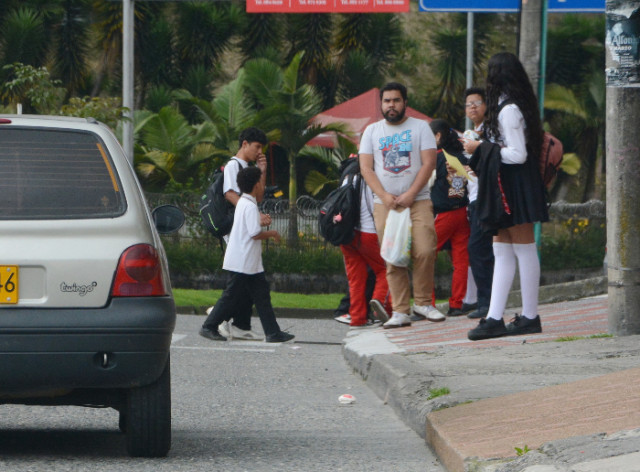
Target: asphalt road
point(237, 406)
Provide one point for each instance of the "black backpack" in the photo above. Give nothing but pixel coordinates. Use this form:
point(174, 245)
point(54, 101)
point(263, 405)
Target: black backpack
point(215, 210)
point(340, 211)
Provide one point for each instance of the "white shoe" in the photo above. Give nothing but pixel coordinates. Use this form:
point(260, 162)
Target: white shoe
point(248, 335)
point(398, 320)
point(346, 318)
point(428, 312)
point(223, 329)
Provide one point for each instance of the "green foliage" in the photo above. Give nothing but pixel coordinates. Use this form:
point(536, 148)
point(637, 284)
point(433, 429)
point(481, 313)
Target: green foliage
point(32, 87)
point(106, 110)
point(192, 258)
point(577, 243)
point(522, 451)
point(438, 392)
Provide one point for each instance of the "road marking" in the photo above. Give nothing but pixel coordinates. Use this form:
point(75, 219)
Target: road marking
point(238, 349)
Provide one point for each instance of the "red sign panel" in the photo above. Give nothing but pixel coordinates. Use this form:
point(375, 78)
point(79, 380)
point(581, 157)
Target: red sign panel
point(327, 6)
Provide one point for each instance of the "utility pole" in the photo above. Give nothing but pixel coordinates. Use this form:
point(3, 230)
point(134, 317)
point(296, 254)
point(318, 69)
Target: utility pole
point(623, 164)
point(128, 8)
point(530, 38)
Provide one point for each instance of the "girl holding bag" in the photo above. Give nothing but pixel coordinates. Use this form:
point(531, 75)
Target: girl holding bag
point(514, 131)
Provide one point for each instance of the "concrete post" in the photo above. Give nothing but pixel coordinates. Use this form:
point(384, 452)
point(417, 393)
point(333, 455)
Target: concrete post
point(530, 35)
point(623, 165)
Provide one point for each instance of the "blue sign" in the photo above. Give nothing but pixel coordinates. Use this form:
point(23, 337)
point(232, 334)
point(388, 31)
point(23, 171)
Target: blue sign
point(510, 6)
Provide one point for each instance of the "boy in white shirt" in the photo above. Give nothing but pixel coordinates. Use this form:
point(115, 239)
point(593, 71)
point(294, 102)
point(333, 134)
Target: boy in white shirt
point(251, 142)
point(244, 260)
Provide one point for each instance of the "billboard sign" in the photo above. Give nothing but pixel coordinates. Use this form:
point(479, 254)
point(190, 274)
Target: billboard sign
point(327, 6)
point(510, 6)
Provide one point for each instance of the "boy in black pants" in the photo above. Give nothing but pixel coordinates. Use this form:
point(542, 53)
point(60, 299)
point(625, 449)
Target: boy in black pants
point(243, 259)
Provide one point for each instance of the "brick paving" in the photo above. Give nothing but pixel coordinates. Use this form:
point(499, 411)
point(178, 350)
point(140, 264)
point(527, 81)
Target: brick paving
point(492, 428)
point(584, 317)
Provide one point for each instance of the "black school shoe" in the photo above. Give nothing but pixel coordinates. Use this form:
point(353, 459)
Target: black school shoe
point(214, 335)
point(479, 313)
point(488, 328)
point(455, 312)
point(523, 325)
point(279, 337)
point(468, 307)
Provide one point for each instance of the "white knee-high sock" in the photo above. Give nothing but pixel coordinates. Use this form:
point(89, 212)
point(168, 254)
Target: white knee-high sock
point(503, 273)
point(529, 269)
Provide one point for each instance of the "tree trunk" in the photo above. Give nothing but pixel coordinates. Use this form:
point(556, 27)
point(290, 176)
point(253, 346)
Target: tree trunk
point(292, 232)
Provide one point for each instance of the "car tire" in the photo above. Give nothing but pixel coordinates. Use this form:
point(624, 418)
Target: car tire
point(147, 417)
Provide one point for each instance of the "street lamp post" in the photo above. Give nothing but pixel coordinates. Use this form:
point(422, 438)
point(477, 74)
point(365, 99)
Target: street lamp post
point(128, 7)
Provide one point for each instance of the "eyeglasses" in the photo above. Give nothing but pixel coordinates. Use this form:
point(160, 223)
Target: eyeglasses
point(475, 103)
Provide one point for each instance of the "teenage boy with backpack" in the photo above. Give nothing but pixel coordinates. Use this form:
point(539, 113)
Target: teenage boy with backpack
point(243, 259)
point(251, 142)
point(361, 254)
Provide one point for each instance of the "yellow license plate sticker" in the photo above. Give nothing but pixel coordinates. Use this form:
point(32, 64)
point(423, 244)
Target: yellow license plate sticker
point(8, 284)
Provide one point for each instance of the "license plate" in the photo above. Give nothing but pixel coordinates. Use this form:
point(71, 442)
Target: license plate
point(8, 284)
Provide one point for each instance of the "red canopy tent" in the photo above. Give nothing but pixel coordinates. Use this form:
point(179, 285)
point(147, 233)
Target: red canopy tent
point(357, 113)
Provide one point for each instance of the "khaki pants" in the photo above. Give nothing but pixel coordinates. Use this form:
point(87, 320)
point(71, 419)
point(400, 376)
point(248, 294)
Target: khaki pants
point(423, 255)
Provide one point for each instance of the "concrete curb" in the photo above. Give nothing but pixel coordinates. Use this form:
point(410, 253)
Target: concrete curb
point(405, 385)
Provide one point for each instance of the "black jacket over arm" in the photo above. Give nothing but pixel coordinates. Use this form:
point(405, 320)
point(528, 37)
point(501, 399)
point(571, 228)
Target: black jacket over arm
point(491, 206)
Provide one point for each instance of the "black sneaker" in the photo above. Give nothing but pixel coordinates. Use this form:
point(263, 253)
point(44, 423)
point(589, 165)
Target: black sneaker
point(455, 312)
point(378, 310)
point(488, 328)
point(468, 307)
point(214, 335)
point(523, 325)
point(279, 337)
point(479, 313)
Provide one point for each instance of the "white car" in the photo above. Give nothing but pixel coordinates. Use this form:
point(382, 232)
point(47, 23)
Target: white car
point(86, 309)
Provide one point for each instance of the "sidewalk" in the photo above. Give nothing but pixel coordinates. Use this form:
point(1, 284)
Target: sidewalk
point(575, 405)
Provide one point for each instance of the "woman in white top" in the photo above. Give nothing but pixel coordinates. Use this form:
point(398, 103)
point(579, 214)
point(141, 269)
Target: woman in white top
point(513, 122)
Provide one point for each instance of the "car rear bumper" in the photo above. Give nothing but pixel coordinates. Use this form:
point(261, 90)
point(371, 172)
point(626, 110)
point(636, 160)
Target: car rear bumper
point(46, 352)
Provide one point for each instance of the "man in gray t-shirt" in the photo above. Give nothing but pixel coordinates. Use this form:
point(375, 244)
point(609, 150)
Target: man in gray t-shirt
point(397, 157)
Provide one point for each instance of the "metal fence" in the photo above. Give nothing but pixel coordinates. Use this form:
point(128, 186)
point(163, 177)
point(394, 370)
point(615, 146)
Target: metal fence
point(564, 216)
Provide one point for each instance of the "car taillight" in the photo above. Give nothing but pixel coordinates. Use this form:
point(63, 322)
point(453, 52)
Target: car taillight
point(139, 273)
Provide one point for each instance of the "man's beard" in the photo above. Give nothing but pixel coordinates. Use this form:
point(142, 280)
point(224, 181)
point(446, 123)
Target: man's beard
point(397, 118)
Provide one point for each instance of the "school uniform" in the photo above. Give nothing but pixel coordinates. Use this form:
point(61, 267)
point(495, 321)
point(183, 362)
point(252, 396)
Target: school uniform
point(241, 313)
point(361, 253)
point(243, 259)
point(450, 200)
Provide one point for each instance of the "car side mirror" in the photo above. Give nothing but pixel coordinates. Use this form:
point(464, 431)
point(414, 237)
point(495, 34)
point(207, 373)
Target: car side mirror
point(168, 218)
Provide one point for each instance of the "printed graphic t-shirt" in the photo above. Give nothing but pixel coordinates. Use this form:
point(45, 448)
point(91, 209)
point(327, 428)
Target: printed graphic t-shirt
point(396, 153)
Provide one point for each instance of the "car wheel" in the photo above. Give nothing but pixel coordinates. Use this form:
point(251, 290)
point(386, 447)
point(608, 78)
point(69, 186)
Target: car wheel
point(147, 418)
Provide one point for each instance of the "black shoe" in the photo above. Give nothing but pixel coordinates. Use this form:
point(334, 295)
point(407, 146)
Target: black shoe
point(479, 313)
point(523, 325)
point(468, 307)
point(214, 335)
point(455, 312)
point(488, 328)
point(279, 337)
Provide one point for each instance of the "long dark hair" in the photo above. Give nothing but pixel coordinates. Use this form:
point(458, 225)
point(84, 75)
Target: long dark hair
point(506, 76)
point(449, 140)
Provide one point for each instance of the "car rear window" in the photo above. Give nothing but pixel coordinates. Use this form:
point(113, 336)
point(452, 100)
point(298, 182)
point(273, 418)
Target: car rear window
point(53, 174)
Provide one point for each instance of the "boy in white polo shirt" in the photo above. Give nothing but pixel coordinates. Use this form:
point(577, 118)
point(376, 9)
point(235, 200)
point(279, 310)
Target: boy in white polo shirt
point(243, 259)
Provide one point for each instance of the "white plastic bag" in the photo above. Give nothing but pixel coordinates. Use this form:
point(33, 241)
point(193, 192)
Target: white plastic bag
point(396, 241)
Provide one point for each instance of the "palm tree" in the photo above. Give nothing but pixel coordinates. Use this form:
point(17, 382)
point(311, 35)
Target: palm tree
point(24, 37)
point(583, 109)
point(170, 151)
point(286, 105)
point(71, 45)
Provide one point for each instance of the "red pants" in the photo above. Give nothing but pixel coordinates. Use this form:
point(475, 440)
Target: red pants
point(364, 251)
point(453, 226)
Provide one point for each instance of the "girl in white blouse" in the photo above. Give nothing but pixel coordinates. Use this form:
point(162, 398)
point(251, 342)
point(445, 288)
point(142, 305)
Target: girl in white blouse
point(513, 122)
